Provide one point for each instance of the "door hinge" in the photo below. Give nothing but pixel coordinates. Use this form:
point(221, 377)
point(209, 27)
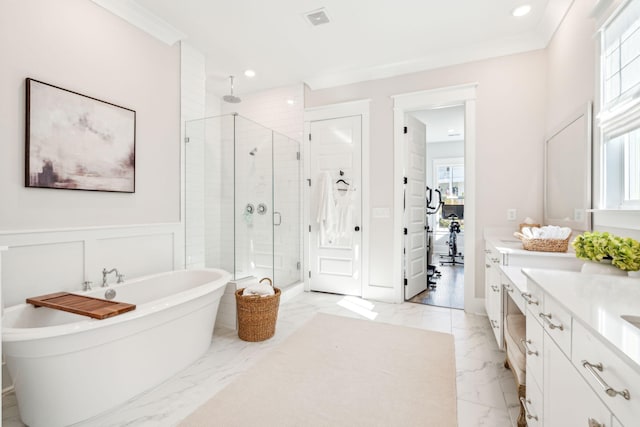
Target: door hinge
point(405, 231)
point(406, 282)
point(309, 274)
point(405, 179)
point(297, 155)
point(309, 228)
point(186, 139)
point(298, 265)
point(309, 181)
point(309, 137)
point(406, 130)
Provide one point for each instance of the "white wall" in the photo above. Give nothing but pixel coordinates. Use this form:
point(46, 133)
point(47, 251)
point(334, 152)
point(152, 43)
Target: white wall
point(77, 45)
point(510, 130)
point(59, 238)
point(571, 65)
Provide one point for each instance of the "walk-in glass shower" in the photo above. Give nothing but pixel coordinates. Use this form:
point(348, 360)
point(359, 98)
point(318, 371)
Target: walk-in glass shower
point(242, 199)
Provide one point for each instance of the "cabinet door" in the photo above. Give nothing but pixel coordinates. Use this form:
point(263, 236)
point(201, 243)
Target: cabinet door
point(568, 400)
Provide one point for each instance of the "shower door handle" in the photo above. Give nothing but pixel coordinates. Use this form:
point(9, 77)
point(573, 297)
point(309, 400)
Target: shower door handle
point(279, 218)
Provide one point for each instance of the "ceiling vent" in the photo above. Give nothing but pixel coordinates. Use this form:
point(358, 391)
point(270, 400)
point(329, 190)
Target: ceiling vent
point(317, 17)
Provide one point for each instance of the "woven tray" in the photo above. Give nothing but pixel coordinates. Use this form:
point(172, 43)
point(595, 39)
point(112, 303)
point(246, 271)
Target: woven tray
point(257, 315)
point(543, 245)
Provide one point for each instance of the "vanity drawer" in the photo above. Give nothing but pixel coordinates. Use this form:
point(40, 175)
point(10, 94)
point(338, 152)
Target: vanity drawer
point(493, 256)
point(615, 373)
point(534, 299)
point(512, 292)
point(533, 348)
point(533, 403)
point(556, 320)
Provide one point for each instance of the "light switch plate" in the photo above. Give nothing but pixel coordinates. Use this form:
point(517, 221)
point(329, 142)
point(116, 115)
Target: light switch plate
point(511, 214)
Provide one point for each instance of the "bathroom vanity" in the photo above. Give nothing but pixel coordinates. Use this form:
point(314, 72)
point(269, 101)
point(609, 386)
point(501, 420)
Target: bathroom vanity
point(582, 339)
point(583, 358)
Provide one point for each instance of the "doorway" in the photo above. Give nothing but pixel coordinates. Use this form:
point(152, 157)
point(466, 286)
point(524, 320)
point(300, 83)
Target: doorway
point(443, 195)
point(464, 96)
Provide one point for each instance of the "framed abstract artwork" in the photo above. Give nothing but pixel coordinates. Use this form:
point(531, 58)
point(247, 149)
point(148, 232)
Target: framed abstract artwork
point(77, 142)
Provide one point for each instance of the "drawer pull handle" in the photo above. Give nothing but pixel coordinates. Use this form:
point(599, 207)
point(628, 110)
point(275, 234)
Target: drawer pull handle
point(508, 288)
point(526, 409)
point(487, 265)
point(547, 319)
point(527, 297)
point(494, 324)
point(495, 288)
point(607, 389)
point(526, 343)
point(495, 260)
point(487, 251)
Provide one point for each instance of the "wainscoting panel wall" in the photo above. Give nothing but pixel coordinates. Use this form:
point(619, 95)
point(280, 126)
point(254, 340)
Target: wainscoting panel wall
point(37, 269)
point(41, 262)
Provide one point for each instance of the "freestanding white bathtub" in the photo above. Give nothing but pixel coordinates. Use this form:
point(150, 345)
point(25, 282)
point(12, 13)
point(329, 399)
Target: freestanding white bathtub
point(67, 368)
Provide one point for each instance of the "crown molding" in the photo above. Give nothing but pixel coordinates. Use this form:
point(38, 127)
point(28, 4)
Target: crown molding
point(141, 18)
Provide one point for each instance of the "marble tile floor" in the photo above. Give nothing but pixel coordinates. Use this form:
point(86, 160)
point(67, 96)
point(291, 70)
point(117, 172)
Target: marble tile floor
point(486, 390)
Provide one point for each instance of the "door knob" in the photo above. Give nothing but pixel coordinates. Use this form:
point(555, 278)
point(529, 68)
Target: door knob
point(357, 228)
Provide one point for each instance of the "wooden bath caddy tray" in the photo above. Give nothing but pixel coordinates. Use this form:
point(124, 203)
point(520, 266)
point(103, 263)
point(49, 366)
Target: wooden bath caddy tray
point(80, 304)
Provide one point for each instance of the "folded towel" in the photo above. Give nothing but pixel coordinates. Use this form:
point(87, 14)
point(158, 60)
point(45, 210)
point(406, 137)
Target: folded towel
point(263, 289)
point(546, 232)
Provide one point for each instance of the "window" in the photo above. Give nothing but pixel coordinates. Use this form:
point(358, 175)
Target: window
point(619, 119)
point(450, 180)
point(622, 166)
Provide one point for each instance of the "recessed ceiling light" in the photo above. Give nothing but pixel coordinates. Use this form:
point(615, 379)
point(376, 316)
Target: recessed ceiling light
point(521, 10)
point(250, 73)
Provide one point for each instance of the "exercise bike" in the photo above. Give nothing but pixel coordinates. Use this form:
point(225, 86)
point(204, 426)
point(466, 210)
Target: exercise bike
point(454, 229)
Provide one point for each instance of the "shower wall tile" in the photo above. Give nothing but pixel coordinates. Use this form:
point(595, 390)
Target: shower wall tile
point(192, 86)
point(271, 109)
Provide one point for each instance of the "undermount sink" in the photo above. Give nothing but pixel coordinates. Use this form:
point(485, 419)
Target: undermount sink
point(634, 320)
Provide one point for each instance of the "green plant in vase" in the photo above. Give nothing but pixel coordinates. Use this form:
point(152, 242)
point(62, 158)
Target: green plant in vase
point(623, 252)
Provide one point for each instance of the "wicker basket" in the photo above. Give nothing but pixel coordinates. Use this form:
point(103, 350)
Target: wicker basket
point(257, 315)
point(543, 245)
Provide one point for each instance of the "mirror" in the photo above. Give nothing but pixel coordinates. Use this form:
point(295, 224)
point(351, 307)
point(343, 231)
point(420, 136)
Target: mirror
point(567, 183)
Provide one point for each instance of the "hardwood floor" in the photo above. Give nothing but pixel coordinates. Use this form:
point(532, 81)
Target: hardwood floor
point(449, 290)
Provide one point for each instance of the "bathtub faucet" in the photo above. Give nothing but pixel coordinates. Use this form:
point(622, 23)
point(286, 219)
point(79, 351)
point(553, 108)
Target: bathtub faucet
point(105, 273)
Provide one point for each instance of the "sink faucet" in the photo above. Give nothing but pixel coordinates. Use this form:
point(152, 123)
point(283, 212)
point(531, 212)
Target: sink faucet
point(105, 273)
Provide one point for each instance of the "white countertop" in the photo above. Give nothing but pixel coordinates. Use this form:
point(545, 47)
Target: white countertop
point(515, 275)
point(597, 301)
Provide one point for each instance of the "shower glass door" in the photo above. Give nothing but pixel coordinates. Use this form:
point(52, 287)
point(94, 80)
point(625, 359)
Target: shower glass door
point(253, 199)
point(242, 199)
point(287, 230)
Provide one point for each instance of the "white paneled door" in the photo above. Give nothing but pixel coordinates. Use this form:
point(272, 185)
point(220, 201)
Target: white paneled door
point(335, 253)
point(415, 244)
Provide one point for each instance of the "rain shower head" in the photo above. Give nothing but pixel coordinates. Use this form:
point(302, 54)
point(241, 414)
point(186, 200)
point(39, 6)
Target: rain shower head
point(231, 98)
point(253, 152)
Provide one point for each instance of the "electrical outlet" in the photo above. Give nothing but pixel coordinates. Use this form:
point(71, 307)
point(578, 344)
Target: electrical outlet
point(511, 214)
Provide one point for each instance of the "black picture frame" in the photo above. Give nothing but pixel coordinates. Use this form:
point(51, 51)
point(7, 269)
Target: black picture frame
point(76, 142)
